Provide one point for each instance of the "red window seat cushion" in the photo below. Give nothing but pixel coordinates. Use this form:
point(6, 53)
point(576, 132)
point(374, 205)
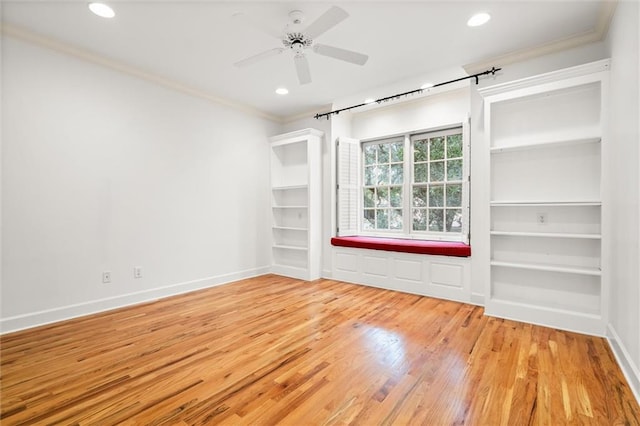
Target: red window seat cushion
point(440, 248)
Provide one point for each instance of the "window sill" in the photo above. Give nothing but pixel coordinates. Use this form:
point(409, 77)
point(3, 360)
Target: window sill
point(439, 248)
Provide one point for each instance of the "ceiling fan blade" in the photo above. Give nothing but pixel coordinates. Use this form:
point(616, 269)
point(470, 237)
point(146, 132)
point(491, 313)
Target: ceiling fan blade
point(251, 22)
point(260, 56)
point(325, 22)
point(342, 54)
point(302, 68)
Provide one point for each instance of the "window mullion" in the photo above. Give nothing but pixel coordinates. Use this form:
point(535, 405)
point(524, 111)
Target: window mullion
point(407, 187)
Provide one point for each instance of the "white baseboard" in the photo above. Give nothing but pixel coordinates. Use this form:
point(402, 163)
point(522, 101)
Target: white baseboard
point(34, 319)
point(629, 368)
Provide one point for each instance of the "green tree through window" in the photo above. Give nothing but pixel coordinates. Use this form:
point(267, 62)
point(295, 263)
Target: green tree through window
point(415, 185)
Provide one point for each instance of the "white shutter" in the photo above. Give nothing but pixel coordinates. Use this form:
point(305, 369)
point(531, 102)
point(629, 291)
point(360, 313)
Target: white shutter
point(348, 172)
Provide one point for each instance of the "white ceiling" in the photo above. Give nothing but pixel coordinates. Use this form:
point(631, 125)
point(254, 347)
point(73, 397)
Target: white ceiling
point(196, 43)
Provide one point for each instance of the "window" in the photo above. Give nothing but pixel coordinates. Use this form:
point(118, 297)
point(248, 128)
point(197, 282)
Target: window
point(415, 186)
point(436, 201)
point(383, 185)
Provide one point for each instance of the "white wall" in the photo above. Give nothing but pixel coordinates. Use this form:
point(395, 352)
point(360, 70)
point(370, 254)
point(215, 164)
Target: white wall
point(428, 112)
point(102, 171)
point(622, 45)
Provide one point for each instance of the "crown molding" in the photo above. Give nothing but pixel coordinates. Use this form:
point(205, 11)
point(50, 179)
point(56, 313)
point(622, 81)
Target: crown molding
point(306, 114)
point(598, 33)
point(549, 77)
point(67, 49)
point(298, 134)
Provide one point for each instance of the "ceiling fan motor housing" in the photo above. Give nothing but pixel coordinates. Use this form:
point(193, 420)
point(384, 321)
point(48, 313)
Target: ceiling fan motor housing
point(296, 42)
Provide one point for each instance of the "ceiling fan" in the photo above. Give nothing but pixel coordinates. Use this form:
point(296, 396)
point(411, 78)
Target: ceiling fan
point(298, 41)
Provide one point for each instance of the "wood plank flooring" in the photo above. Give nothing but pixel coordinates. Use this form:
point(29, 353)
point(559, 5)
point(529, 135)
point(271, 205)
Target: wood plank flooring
point(274, 350)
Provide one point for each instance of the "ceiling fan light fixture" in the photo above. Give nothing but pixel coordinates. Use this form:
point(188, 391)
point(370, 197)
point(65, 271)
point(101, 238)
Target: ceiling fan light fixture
point(102, 10)
point(282, 91)
point(478, 19)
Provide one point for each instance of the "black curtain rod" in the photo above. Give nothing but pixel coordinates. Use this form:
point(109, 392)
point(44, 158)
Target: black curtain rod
point(492, 71)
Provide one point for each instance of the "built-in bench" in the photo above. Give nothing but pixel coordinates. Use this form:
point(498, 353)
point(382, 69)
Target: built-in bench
point(439, 248)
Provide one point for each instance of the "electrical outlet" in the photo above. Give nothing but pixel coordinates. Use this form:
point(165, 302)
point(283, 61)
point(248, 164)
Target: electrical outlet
point(106, 277)
point(542, 218)
point(137, 272)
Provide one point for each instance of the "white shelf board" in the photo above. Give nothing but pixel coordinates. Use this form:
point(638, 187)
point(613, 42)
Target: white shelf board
point(578, 319)
point(290, 228)
point(289, 207)
point(586, 313)
point(512, 146)
point(549, 268)
point(536, 203)
point(289, 187)
point(287, 247)
point(548, 235)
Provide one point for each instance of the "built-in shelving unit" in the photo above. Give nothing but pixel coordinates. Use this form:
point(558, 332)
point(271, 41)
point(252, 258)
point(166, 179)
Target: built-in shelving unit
point(545, 140)
point(295, 204)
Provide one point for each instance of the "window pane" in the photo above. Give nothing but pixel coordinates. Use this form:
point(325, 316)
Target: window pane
point(454, 195)
point(370, 154)
point(436, 220)
point(382, 219)
point(420, 150)
point(369, 197)
point(454, 146)
point(436, 148)
point(382, 197)
point(395, 221)
point(420, 197)
point(454, 170)
point(395, 195)
point(382, 175)
point(419, 220)
point(369, 221)
point(383, 153)
point(396, 174)
point(436, 196)
point(437, 171)
point(454, 220)
point(420, 172)
point(369, 176)
point(397, 152)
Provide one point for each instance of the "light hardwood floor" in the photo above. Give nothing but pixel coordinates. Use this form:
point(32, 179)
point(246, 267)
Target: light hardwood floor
point(274, 350)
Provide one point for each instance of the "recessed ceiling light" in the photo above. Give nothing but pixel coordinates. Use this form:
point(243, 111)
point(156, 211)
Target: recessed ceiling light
point(282, 91)
point(426, 86)
point(369, 101)
point(478, 19)
point(102, 10)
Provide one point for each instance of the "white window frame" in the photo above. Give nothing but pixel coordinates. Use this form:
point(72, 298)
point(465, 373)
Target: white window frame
point(408, 182)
